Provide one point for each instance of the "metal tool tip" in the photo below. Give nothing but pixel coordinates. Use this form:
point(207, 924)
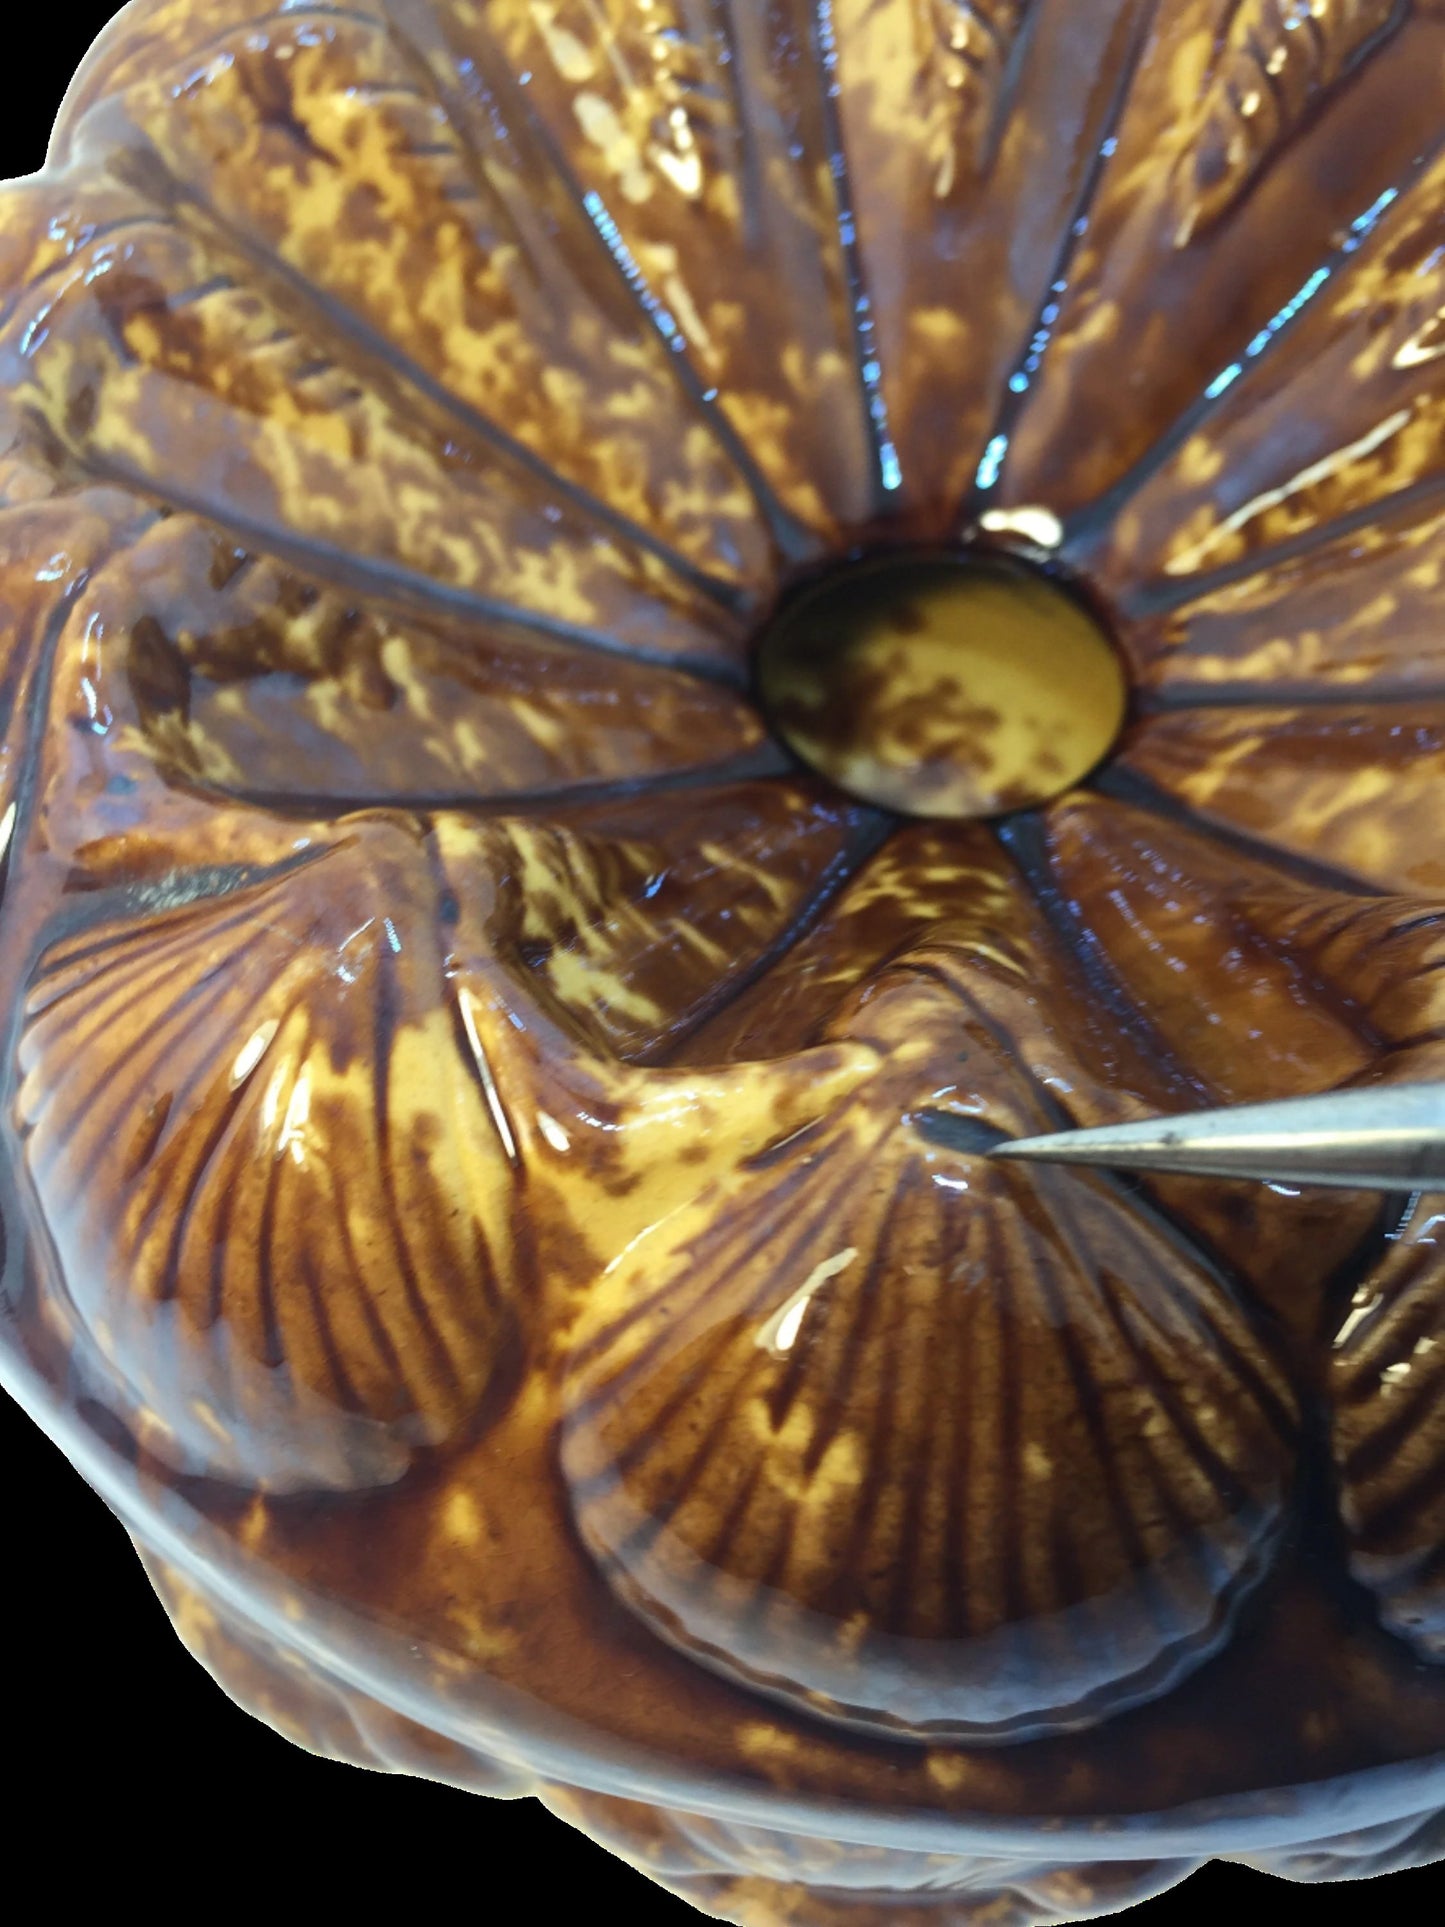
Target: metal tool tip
point(1024, 1147)
point(1074, 1147)
point(1378, 1138)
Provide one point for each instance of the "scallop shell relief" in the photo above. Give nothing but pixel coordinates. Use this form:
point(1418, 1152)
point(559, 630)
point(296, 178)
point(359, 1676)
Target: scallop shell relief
point(493, 1153)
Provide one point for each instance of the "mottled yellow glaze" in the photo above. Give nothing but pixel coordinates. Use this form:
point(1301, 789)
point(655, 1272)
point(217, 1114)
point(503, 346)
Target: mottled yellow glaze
point(493, 1153)
point(942, 690)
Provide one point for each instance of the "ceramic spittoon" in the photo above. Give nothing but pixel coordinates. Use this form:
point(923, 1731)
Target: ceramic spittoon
point(629, 631)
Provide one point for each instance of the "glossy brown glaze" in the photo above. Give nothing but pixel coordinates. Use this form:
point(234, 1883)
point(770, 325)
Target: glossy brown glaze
point(495, 1179)
point(941, 687)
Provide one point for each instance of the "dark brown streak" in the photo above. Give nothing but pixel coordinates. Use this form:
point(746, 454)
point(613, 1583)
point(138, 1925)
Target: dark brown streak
point(1224, 1478)
point(1324, 991)
point(17, 1268)
point(1060, 1317)
point(1417, 1039)
point(221, 1242)
point(314, 1289)
point(650, 1529)
point(868, 1295)
point(54, 983)
point(791, 539)
point(1085, 528)
point(169, 1284)
point(931, 1456)
point(1010, 1378)
point(65, 270)
point(781, 1400)
point(882, 1452)
point(428, 86)
point(757, 765)
point(802, 1363)
point(872, 407)
point(341, 326)
point(383, 1032)
point(1012, 405)
point(1010, 78)
point(392, 581)
point(41, 696)
point(748, 171)
point(1142, 1200)
point(92, 911)
point(1166, 594)
point(1169, 698)
point(780, 1262)
point(962, 1439)
point(144, 1045)
point(1151, 1583)
point(111, 954)
point(273, 1348)
point(1319, 48)
point(1194, 1248)
point(723, 1536)
point(1125, 785)
point(1428, 917)
point(1392, 1518)
point(702, 1250)
point(362, 1300)
point(1381, 1451)
point(1024, 839)
point(488, 1273)
point(875, 826)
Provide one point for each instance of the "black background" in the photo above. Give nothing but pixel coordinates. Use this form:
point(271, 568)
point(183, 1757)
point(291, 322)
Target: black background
point(162, 1791)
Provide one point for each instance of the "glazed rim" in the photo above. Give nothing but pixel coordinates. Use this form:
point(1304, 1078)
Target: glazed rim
point(567, 1752)
point(1314, 1825)
point(955, 685)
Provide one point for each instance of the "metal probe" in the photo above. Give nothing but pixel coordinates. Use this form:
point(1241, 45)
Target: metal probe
point(1390, 1137)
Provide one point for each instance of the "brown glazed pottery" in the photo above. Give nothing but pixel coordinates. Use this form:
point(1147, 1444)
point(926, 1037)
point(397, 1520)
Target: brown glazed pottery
point(628, 629)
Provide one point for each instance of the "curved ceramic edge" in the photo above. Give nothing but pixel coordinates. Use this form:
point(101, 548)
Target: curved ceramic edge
point(337, 1640)
point(1304, 1813)
point(115, 29)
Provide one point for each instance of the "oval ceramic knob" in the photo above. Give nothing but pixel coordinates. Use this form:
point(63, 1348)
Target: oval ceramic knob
point(628, 631)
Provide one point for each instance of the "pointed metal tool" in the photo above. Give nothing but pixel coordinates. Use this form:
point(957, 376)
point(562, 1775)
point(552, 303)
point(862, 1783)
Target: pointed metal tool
point(1388, 1138)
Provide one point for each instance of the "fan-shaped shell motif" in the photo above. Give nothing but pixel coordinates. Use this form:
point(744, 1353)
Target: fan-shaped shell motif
point(877, 1428)
point(290, 1112)
point(434, 997)
point(1389, 1436)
